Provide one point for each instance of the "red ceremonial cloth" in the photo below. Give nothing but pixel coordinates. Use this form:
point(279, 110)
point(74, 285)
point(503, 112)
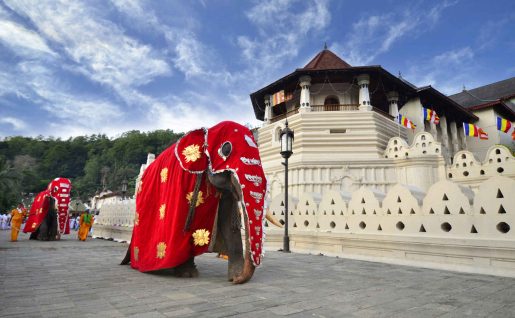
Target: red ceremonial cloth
point(159, 239)
point(37, 213)
point(59, 189)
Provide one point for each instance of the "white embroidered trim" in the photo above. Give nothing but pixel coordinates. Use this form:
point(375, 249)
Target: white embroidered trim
point(254, 179)
point(250, 161)
point(251, 142)
point(256, 195)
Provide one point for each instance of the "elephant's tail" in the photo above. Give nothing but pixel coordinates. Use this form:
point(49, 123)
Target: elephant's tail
point(127, 259)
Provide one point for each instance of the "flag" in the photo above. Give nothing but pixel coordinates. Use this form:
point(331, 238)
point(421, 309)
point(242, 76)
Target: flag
point(431, 116)
point(404, 121)
point(513, 135)
point(278, 98)
point(503, 125)
point(482, 134)
point(470, 130)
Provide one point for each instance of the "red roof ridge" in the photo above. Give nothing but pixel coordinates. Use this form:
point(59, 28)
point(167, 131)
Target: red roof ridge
point(326, 60)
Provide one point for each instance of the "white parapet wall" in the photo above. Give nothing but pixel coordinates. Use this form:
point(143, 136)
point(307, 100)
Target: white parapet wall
point(115, 220)
point(469, 171)
point(450, 227)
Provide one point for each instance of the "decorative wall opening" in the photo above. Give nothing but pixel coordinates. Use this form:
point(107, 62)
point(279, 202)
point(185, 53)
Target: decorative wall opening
point(503, 227)
point(400, 226)
point(446, 227)
point(362, 225)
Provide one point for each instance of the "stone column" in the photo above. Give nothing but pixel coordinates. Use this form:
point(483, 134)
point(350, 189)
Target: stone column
point(305, 84)
point(463, 138)
point(393, 99)
point(454, 137)
point(446, 152)
point(364, 95)
point(434, 131)
point(268, 110)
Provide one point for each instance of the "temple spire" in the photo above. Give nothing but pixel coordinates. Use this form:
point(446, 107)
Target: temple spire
point(325, 45)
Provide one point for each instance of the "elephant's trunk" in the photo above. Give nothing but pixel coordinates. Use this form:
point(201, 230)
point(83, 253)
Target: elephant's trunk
point(248, 266)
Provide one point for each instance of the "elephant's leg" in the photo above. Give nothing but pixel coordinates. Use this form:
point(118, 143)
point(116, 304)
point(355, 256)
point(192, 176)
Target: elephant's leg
point(52, 226)
point(43, 231)
point(186, 269)
point(229, 227)
point(34, 235)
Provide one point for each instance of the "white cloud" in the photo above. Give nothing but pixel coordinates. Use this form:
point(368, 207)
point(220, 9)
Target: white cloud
point(22, 41)
point(283, 27)
point(447, 72)
point(374, 35)
point(101, 49)
point(16, 123)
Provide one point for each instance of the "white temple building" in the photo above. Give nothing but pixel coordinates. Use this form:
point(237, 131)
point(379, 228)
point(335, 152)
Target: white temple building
point(362, 186)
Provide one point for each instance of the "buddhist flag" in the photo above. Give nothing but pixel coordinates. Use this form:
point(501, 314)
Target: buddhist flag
point(482, 134)
point(470, 130)
point(431, 116)
point(503, 125)
point(278, 98)
point(404, 121)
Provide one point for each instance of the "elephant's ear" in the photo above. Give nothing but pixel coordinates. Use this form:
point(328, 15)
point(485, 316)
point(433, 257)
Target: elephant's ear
point(190, 151)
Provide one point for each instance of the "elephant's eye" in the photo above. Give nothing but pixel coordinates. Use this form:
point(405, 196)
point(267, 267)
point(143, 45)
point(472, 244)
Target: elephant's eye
point(225, 150)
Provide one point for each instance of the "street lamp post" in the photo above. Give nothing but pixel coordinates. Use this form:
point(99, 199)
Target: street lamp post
point(124, 188)
point(286, 152)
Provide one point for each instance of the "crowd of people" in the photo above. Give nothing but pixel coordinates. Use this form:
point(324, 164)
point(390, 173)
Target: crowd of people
point(14, 221)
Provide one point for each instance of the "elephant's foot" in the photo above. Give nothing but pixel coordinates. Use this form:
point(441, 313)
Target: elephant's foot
point(187, 269)
point(234, 269)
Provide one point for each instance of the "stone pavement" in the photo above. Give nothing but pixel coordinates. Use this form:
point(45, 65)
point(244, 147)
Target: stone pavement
point(83, 279)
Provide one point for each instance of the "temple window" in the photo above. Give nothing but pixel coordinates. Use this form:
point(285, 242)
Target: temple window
point(332, 100)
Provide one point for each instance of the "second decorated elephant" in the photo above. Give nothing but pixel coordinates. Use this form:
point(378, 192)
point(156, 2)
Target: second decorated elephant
point(195, 197)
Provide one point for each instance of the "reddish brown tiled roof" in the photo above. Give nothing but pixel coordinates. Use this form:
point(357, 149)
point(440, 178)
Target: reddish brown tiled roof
point(326, 60)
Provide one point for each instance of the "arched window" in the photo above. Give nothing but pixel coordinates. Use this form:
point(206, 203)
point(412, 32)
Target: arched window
point(332, 100)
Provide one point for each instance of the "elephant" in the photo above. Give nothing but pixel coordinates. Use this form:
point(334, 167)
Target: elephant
point(195, 197)
point(47, 230)
point(48, 217)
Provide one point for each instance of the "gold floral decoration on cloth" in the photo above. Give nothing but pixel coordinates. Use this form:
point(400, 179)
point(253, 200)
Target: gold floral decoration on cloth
point(200, 237)
point(33, 225)
point(136, 219)
point(191, 153)
point(200, 199)
point(140, 186)
point(162, 210)
point(136, 253)
point(164, 175)
point(161, 250)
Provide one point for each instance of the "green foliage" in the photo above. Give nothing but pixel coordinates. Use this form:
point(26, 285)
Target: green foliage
point(91, 162)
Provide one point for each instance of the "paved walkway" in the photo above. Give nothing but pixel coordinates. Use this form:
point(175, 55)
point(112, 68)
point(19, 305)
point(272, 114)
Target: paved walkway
point(83, 279)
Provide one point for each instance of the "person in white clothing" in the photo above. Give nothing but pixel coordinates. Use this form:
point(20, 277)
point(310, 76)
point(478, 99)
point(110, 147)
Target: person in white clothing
point(3, 221)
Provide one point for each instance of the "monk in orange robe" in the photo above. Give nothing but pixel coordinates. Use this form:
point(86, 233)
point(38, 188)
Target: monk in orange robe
point(86, 221)
point(17, 216)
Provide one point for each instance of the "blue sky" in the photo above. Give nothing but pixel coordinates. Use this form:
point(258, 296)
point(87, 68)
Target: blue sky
point(70, 68)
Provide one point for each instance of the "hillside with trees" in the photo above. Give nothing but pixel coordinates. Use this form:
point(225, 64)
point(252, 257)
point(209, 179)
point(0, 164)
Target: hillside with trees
point(92, 163)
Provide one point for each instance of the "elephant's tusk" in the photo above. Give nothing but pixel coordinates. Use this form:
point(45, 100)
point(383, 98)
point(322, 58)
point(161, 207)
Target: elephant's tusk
point(272, 219)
